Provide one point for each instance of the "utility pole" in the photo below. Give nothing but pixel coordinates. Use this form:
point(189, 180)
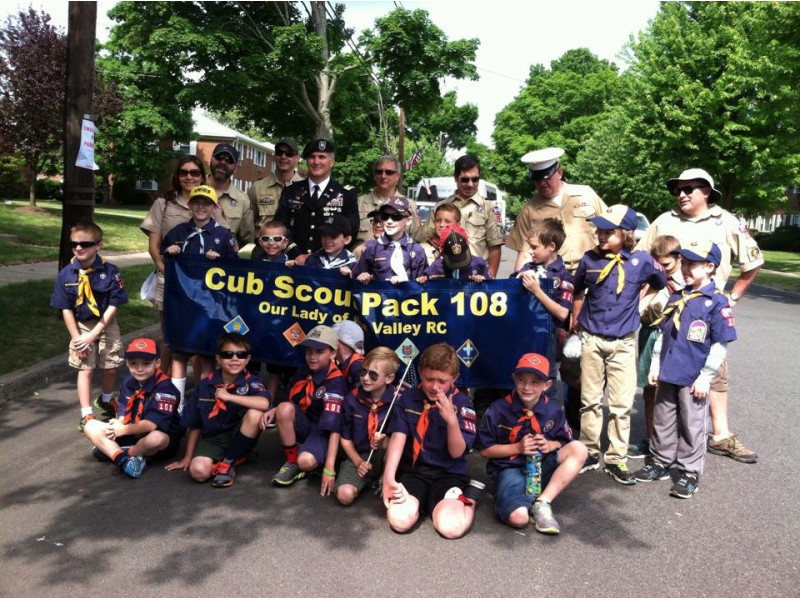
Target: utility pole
point(78, 182)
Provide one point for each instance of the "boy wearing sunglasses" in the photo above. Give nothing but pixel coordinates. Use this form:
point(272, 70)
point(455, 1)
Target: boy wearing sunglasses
point(88, 292)
point(272, 240)
point(223, 415)
point(394, 256)
point(365, 410)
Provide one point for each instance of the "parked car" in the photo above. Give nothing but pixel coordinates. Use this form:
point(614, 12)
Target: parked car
point(642, 223)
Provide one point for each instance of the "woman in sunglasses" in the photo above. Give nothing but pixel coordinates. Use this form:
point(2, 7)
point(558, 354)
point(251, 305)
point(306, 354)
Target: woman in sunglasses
point(165, 213)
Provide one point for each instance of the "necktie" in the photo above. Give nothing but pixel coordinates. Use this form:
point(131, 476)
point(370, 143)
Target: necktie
point(315, 196)
point(198, 231)
point(676, 308)
point(219, 403)
point(85, 291)
point(134, 407)
point(422, 429)
point(396, 262)
point(527, 415)
point(614, 259)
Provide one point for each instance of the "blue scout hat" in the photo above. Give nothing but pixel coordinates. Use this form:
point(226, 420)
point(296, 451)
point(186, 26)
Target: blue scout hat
point(398, 203)
point(534, 363)
point(321, 337)
point(702, 251)
point(618, 216)
point(318, 145)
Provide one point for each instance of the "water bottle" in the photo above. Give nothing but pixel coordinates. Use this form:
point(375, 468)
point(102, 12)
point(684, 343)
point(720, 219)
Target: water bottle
point(533, 474)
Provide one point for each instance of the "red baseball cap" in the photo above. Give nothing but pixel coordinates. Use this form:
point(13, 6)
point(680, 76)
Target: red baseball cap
point(143, 348)
point(534, 363)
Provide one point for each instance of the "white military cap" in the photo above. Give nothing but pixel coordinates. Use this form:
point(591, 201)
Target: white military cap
point(543, 163)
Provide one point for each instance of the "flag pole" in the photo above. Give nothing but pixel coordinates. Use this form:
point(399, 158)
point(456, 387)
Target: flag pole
point(391, 404)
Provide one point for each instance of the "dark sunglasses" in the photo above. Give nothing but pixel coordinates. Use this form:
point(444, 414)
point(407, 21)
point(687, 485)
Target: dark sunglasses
point(469, 179)
point(286, 153)
point(385, 172)
point(228, 354)
point(688, 189)
point(392, 217)
point(373, 375)
point(82, 244)
point(225, 158)
point(272, 238)
point(189, 172)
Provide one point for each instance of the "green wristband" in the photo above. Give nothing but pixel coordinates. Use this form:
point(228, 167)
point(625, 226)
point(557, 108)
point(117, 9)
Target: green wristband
point(329, 473)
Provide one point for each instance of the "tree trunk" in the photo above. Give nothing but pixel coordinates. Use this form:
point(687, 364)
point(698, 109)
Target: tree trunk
point(32, 192)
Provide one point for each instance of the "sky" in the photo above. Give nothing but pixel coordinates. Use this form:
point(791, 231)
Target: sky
point(514, 35)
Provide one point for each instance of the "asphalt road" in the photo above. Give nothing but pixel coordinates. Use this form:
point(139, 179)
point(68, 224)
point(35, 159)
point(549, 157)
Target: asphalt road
point(70, 526)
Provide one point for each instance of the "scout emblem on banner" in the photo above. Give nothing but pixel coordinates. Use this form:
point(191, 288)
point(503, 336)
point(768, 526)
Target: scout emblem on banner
point(237, 325)
point(294, 335)
point(406, 351)
point(467, 353)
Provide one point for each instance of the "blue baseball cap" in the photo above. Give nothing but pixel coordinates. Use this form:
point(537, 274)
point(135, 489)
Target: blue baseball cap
point(618, 216)
point(702, 251)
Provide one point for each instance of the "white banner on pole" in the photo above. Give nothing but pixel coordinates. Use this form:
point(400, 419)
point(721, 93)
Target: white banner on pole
point(86, 152)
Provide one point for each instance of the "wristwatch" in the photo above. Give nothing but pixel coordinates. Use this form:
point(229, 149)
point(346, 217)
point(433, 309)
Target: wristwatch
point(735, 297)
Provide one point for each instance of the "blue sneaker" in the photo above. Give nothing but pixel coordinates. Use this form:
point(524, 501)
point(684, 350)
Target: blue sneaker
point(652, 471)
point(135, 466)
point(97, 454)
point(639, 449)
point(686, 486)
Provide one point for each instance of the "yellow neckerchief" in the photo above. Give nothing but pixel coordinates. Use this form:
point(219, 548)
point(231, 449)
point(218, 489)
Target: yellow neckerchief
point(85, 288)
point(677, 307)
point(613, 259)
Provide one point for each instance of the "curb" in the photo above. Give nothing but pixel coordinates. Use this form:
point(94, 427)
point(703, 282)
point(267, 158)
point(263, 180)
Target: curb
point(27, 380)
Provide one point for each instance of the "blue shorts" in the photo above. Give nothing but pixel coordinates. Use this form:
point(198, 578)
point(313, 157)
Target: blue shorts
point(509, 486)
point(310, 438)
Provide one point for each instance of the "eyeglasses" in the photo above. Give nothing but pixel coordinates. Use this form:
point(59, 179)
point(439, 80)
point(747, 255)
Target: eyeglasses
point(229, 354)
point(286, 153)
point(225, 158)
point(688, 189)
point(386, 172)
point(469, 179)
point(272, 239)
point(189, 172)
point(392, 217)
point(373, 375)
point(82, 244)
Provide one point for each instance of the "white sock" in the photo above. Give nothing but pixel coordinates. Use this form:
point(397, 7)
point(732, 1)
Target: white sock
point(86, 411)
point(107, 397)
point(180, 384)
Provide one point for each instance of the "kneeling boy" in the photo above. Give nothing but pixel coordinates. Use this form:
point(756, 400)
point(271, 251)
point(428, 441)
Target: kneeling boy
point(147, 422)
point(521, 424)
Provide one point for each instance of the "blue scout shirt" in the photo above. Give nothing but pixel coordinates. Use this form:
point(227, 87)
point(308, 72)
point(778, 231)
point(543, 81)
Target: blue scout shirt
point(211, 236)
point(351, 369)
point(606, 312)
point(278, 258)
point(705, 320)
point(508, 417)
point(356, 416)
point(563, 281)
point(376, 258)
point(319, 395)
point(213, 417)
point(407, 412)
point(106, 287)
point(156, 400)
point(320, 260)
point(477, 266)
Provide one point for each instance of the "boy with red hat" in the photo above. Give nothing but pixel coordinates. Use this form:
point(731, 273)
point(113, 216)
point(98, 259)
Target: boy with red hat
point(456, 261)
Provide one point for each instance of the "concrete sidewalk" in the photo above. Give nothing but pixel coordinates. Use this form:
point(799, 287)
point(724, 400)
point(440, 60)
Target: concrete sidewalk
point(49, 269)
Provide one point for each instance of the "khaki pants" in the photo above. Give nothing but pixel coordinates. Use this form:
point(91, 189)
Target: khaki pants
point(612, 362)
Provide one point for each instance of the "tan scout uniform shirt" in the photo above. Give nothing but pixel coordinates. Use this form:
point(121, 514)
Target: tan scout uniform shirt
point(477, 219)
point(578, 202)
point(237, 215)
point(369, 202)
point(264, 195)
point(717, 225)
point(163, 216)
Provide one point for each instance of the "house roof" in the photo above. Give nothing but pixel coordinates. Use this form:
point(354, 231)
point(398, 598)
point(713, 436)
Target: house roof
point(208, 128)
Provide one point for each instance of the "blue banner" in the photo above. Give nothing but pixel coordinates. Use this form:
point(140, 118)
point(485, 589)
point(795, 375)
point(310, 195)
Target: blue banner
point(489, 324)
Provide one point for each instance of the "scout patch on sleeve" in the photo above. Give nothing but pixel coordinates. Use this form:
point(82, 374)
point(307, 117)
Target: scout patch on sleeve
point(727, 314)
point(469, 417)
point(697, 332)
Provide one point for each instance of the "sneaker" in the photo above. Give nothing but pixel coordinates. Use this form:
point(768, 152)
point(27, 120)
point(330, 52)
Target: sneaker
point(288, 474)
point(731, 446)
point(134, 466)
point(474, 490)
point(685, 487)
point(620, 473)
point(83, 422)
point(543, 519)
point(224, 473)
point(592, 462)
point(651, 471)
point(639, 449)
point(96, 453)
point(107, 411)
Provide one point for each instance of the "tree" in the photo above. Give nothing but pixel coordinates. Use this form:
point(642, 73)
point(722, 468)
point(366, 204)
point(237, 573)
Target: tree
point(449, 125)
point(32, 61)
point(711, 85)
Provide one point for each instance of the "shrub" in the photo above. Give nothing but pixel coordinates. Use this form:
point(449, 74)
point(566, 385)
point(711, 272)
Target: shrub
point(785, 238)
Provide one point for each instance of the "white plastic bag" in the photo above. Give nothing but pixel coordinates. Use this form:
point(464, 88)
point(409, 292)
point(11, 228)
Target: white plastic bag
point(572, 347)
point(148, 291)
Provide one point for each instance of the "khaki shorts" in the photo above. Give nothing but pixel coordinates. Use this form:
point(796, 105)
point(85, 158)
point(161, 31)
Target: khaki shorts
point(720, 382)
point(159, 301)
point(105, 353)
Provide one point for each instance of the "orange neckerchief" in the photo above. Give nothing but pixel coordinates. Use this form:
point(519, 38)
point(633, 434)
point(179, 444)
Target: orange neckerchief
point(374, 408)
point(422, 426)
point(219, 403)
point(134, 406)
point(302, 391)
point(527, 415)
point(614, 259)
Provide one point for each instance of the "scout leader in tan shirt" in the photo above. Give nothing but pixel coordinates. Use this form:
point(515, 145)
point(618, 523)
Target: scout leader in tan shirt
point(265, 193)
point(569, 203)
point(477, 214)
point(237, 214)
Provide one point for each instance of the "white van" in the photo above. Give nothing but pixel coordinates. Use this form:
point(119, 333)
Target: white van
point(446, 186)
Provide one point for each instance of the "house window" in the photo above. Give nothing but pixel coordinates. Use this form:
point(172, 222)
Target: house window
point(149, 185)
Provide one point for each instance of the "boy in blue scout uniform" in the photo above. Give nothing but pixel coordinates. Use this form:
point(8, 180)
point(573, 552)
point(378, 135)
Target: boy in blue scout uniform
point(696, 327)
point(201, 234)
point(431, 431)
point(147, 423)
point(608, 283)
point(271, 241)
point(456, 261)
point(366, 408)
point(312, 413)
point(335, 237)
point(223, 415)
point(350, 351)
point(394, 256)
point(88, 292)
point(521, 424)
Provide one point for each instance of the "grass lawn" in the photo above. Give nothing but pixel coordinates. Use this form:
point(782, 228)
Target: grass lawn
point(38, 331)
point(785, 262)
